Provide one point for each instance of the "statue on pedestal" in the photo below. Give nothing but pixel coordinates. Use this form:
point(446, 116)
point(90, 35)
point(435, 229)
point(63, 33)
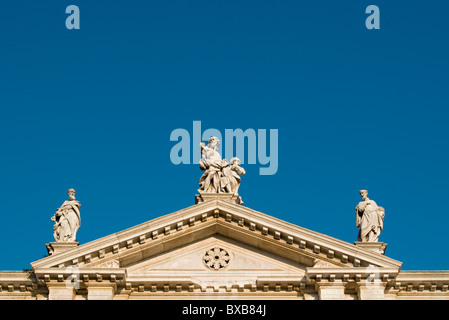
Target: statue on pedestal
point(369, 219)
point(219, 175)
point(67, 219)
point(230, 181)
point(211, 163)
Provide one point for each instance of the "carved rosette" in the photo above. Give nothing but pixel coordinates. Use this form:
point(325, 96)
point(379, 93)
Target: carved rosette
point(216, 258)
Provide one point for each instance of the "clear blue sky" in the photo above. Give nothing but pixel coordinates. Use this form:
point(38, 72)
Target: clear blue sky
point(93, 109)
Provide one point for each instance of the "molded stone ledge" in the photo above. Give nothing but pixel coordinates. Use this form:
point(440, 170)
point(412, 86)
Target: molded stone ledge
point(378, 247)
point(354, 274)
point(228, 197)
point(248, 218)
point(62, 274)
point(54, 248)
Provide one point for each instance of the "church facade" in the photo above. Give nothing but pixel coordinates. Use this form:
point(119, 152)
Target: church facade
point(218, 249)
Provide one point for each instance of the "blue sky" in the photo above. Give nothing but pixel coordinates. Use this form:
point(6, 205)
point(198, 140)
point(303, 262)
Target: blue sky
point(355, 109)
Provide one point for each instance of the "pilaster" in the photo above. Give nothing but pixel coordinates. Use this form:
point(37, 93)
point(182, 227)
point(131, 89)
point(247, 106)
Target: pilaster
point(330, 290)
point(60, 291)
point(374, 290)
point(101, 291)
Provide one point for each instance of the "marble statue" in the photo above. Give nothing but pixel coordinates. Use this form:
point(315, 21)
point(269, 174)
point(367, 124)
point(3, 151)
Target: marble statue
point(211, 163)
point(219, 175)
point(369, 219)
point(230, 181)
point(67, 219)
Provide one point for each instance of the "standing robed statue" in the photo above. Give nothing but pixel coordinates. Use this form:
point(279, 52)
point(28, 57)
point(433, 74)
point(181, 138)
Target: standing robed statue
point(67, 219)
point(369, 219)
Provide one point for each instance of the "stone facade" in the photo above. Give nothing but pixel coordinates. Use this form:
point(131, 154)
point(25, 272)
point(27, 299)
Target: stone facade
point(219, 249)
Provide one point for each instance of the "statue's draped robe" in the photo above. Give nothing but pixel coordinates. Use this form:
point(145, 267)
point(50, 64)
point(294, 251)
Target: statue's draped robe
point(237, 171)
point(226, 183)
point(69, 222)
point(211, 162)
point(369, 220)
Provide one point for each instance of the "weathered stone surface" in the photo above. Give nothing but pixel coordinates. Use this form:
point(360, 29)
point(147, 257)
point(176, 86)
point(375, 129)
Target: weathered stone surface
point(219, 176)
point(67, 219)
point(217, 249)
point(59, 247)
point(369, 219)
point(378, 247)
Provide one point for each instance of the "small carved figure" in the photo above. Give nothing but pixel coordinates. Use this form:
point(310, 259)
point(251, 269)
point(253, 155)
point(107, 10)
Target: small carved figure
point(236, 172)
point(226, 178)
point(369, 219)
point(67, 219)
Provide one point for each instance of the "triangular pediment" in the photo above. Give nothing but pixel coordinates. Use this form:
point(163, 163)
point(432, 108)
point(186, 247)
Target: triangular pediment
point(217, 262)
point(259, 235)
point(226, 255)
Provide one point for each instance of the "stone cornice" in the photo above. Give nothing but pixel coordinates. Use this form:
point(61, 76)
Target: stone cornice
point(16, 275)
point(149, 229)
point(314, 238)
point(304, 241)
point(17, 282)
point(409, 275)
point(422, 282)
point(76, 276)
point(351, 274)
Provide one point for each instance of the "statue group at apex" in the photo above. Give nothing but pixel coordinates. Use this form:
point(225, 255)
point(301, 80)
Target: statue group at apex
point(219, 176)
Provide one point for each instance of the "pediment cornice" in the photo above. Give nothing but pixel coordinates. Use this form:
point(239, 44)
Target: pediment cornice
point(231, 220)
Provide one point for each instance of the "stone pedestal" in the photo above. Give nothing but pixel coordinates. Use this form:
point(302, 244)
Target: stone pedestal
point(206, 196)
point(378, 247)
point(58, 247)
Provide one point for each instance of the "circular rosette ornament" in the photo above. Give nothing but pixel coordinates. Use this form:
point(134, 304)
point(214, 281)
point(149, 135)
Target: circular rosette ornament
point(216, 258)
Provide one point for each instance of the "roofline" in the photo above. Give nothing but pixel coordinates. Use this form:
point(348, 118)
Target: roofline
point(231, 213)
